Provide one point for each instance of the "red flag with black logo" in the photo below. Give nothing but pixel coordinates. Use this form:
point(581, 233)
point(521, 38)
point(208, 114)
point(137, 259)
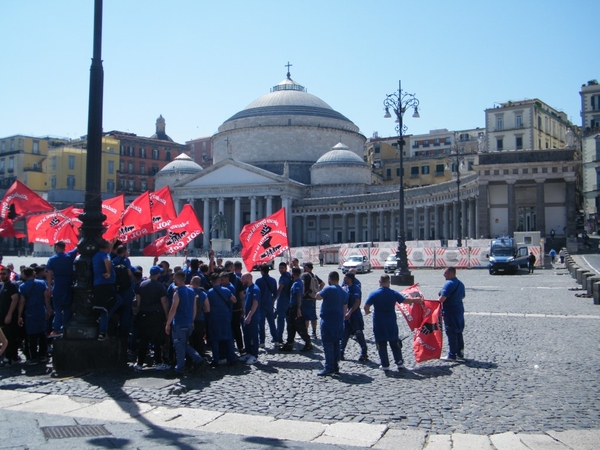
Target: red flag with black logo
point(20, 201)
point(135, 222)
point(7, 229)
point(65, 231)
point(163, 210)
point(113, 209)
point(180, 233)
point(413, 316)
point(40, 226)
point(73, 213)
point(264, 239)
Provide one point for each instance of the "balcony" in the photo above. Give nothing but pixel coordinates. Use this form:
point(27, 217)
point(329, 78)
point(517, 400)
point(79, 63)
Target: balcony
point(34, 168)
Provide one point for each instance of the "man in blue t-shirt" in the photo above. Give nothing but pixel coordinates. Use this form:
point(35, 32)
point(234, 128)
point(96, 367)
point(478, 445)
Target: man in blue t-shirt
point(295, 321)
point(268, 292)
point(251, 319)
point(453, 312)
point(59, 278)
point(181, 322)
point(105, 298)
point(283, 299)
point(333, 309)
point(354, 323)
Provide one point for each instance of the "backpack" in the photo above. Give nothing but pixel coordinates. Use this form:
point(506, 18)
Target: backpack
point(313, 288)
point(122, 276)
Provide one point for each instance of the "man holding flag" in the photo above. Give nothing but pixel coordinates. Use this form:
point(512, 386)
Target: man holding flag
point(453, 312)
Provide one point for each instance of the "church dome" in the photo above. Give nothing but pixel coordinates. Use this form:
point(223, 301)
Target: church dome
point(182, 164)
point(340, 166)
point(340, 154)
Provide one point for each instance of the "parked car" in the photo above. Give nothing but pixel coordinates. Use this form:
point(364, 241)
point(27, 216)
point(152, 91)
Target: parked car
point(358, 262)
point(390, 265)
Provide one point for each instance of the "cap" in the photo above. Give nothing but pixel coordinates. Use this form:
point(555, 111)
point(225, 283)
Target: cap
point(308, 264)
point(155, 270)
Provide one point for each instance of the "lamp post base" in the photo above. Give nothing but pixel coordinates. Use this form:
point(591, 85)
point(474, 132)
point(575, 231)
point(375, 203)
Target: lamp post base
point(402, 279)
point(70, 355)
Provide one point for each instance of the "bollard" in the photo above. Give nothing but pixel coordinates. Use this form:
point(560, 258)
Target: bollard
point(573, 271)
point(596, 293)
point(584, 277)
point(580, 273)
point(569, 262)
point(590, 284)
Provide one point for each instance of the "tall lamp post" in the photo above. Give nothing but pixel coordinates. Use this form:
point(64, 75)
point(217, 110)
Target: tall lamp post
point(458, 160)
point(399, 102)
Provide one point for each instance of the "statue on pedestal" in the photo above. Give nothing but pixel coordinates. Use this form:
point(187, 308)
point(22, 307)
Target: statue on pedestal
point(219, 224)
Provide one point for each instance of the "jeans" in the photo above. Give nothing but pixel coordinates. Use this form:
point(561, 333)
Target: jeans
point(396, 347)
point(332, 356)
point(181, 336)
point(454, 323)
point(106, 315)
point(360, 338)
point(267, 316)
point(251, 337)
point(281, 316)
point(126, 319)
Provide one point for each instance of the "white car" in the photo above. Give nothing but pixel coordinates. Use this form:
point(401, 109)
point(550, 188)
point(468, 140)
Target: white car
point(390, 265)
point(358, 262)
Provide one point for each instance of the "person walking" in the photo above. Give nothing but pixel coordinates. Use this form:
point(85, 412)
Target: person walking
point(385, 326)
point(453, 312)
point(531, 262)
point(284, 290)
point(295, 321)
point(354, 323)
point(268, 293)
point(333, 309)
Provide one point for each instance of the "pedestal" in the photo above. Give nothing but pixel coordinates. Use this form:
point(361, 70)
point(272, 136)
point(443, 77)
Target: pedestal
point(221, 245)
point(72, 355)
point(402, 280)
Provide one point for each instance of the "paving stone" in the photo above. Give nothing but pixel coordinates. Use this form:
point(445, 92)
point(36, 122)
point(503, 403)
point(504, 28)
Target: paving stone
point(402, 439)
point(578, 439)
point(438, 442)
point(351, 434)
point(461, 441)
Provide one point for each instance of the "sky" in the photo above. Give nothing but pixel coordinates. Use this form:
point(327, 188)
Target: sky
point(198, 62)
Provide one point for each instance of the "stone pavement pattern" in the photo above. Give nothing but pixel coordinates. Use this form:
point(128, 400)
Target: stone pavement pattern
point(531, 381)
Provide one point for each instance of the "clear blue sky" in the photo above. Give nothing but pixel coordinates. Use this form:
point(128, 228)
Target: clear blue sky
point(198, 62)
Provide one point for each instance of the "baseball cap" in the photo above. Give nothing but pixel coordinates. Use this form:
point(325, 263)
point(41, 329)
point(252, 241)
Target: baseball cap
point(155, 270)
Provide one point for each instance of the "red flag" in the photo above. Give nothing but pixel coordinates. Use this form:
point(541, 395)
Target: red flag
point(41, 225)
point(73, 213)
point(163, 210)
point(180, 233)
point(113, 209)
point(7, 229)
point(19, 201)
point(264, 239)
point(135, 222)
point(425, 321)
point(65, 231)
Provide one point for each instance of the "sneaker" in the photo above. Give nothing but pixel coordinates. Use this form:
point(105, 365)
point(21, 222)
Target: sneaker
point(287, 348)
point(306, 348)
point(460, 356)
point(55, 334)
point(31, 362)
point(251, 360)
point(400, 365)
point(314, 335)
point(244, 358)
point(137, 368)
point(161, 366)
point(102, 336)
point(384, 368)
point(324, 373)
point(448, 358)
point(363, 358)
point(262, 345)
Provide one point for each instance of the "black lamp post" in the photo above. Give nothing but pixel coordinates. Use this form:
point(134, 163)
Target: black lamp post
point(459, 164)
point(399, 102)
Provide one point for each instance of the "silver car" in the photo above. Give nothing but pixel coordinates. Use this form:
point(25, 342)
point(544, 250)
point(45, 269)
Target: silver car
point(358, 262)
point(390, 265)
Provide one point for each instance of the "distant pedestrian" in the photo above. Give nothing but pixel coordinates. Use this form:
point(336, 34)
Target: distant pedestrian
point(561, 255)
point(453, 312)
point(321, 258)
point(552, 255)
point(552, 233)
point(531, 262)
point(385, 326)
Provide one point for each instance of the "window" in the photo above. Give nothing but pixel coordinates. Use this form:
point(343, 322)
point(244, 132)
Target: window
point(154, 153)
point(53, 182)
point(154, 169)
point(168, 155)
point(595, 102)
point(448, 140)
point(499, 144)
point(11, 164)
point(111, 167)
point(519, 142)
point(519, 121)
point(3, 146)
point(122, 150)
point(426, 143)
point(439, 170)
point(36, 148)
point(414, 172)
point(121, 166)
point(110, 186)
point(424, 170)
point(546, 125)
point(142, 152)
point(436, 142)
point(131, 185)
point(499, 123)
point(130, 167)
point(71, 162)
point(111, 150)
point(121, 184)
point(54, 162)
point(2, 165)
point(12, 145)
point(388, 174)
point(142, 169)
point(377, 149)
point(143, 185)
point(131, 150)
point(70, 182)
point(540, 123)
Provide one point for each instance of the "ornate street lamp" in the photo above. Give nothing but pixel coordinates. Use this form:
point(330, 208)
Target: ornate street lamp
point(457, 159)
point(399, 102)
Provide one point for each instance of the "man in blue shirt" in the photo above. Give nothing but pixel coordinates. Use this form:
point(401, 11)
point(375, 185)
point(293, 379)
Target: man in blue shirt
point(220, 302)
point(333, 309)
point(295, 321)
point(268, 292)
point(105, 298)
point(125, 291)
point(251, 319)
point(385, 327)
point(181, 322)
point(59, 278)
point(353, 318)
point(283, 299)
point(453, 312)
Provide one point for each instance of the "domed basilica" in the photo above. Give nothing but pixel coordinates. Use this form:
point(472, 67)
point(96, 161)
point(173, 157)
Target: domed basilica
point(290, 149)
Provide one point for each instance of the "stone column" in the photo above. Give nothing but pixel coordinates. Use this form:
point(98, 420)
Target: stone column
point(331, 228)
point(253, 209)
point(357, 227)
point(570, 196)
point(446, 227)
point(318, 223)
point(381, 227)
point(221, 205)
point(512, 209)
point(269, 205)
point(344, 228)
point(483, 210)
point(237, 220)
point(465, 218)
point(304, 230)
point(369, 226)
point(437, 223)
point(206, 223)
point(472, 219)
point(416, 234)
point(427, 214)
point(393, 228)
point(540, 208)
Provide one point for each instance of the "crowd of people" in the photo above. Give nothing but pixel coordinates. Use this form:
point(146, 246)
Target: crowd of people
point(180, 318)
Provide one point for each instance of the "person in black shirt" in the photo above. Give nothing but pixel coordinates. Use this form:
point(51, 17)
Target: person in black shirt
point(9, 314)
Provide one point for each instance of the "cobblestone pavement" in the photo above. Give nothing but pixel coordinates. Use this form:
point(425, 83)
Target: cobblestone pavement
point(532, 366)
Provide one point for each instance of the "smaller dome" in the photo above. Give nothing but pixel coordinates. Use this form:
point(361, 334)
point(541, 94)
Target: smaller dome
point(182, 164)
point(340, 154)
